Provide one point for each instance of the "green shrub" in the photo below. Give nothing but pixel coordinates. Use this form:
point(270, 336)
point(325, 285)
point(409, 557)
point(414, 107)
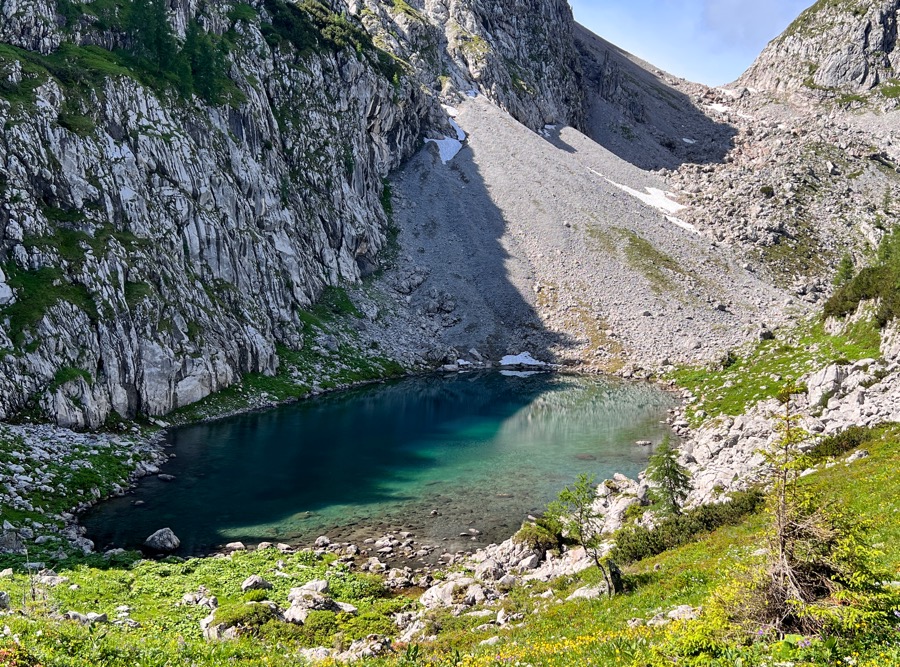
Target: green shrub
point(634, 543)
point(847, 440)
point(279, 631)
point(319, 628)
point(244, 615)
point(370, 623)
point(634, 512)
point(357, 586)
point(880, 281)
point(255, 596)
point(242, 12)
point(538, 537)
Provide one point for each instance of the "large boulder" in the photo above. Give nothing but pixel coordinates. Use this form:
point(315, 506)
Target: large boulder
point(163, 540)
point(442, 594)
point(825, 383)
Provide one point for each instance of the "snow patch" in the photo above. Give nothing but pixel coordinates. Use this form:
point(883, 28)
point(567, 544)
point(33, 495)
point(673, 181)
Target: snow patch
point(689, 141)
point(453, 112)
point(681, 223)
point(522, 359)
point(447, 147)
point(721, 108)
point(519, 374)
point(654, 196)
point(460, 133)
point(658, 199)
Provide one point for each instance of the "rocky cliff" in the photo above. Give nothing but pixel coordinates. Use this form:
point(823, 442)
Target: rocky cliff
point(156, 243)
point(842, 45)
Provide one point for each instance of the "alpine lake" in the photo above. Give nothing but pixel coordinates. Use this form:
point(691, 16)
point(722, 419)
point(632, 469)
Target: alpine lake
point(433, 455)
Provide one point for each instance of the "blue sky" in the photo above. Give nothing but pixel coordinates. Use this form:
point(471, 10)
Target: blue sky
point(708, 41)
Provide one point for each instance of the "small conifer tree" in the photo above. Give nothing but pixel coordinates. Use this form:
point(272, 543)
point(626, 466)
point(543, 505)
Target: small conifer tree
point(672, 479)
point(845, 271)
point(574, 511)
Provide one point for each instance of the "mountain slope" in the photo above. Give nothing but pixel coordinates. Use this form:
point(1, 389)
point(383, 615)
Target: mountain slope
point(643, 115)
point(551, 243)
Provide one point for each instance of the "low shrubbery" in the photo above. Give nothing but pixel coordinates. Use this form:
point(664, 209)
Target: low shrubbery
point(879, 282)
point(634, 543)
point(247, 615)
point(845, 441)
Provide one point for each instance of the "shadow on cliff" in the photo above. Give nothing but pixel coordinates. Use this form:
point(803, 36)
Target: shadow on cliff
point(267, 475)
point(635, 113)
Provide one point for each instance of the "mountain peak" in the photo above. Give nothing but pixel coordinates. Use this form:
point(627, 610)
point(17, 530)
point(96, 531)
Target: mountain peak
point(847, 46)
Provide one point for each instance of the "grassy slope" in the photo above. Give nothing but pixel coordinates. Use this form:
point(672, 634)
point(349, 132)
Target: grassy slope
point(567, 633)
point(758, 372)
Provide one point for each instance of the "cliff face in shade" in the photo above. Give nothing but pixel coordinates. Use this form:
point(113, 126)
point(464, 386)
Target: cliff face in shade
point(153, 247)
point(843, 45)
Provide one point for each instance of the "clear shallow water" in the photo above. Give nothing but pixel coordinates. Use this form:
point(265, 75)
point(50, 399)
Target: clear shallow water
point(483, 449)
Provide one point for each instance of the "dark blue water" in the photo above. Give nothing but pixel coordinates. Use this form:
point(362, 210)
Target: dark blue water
point(483, 449)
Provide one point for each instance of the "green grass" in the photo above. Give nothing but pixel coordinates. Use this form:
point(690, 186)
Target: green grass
point(809, 22)
point(641, 255)
point(241, 11)
point(86, 467)
point(890, 89)
point(68, 374)
point(170, 632)
point(757, 373)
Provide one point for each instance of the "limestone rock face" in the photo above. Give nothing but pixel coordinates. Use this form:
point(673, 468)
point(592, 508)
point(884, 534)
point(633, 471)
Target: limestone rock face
point(156, 248)
point(520, 54)
point(846, 46)
point(30, 24)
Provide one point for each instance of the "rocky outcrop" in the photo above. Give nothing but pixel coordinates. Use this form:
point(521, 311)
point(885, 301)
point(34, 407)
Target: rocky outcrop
point(30, 24)
point(726, 454)
point(155, 247)
point(844, 45)
point(521, 55)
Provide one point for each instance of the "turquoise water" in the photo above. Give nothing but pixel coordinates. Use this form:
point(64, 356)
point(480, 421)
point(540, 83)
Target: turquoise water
point(483, 449)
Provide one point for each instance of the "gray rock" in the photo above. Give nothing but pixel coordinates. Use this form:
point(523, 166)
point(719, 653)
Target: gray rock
point(316, 586)
point(255, 583)
point(588, 593)
point(163, 540)
point(858, 455)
